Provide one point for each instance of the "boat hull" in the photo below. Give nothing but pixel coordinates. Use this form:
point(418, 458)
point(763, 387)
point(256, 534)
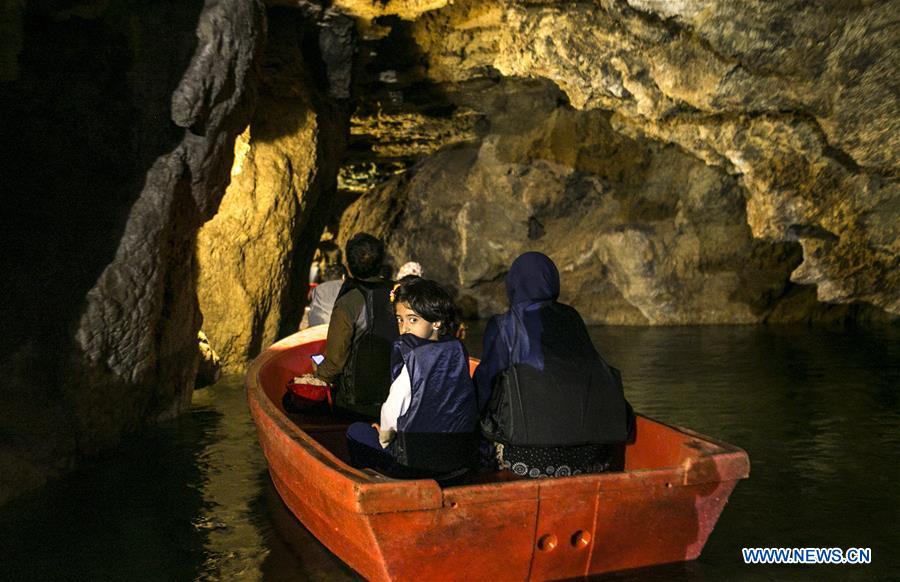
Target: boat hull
point(661, 509)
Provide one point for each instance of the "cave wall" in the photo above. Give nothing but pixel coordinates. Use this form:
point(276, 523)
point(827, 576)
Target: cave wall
point(119, 122)
point(794, 105)
point(798, 99)
point(683, 162)
point(643, 232)
point(254, 255)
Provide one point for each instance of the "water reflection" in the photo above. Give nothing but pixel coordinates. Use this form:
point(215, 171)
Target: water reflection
point(295, 554)
point(131, 516)
point(252, 535)
point(817, 410)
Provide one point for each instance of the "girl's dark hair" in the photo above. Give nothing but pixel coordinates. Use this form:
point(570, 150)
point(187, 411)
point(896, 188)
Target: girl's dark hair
point(430, 300)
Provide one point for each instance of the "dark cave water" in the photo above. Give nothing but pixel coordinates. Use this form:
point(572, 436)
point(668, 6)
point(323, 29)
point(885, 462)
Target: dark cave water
point(816, 408)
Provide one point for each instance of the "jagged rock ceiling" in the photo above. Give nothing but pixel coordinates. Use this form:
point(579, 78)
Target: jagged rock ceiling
point(798, 101)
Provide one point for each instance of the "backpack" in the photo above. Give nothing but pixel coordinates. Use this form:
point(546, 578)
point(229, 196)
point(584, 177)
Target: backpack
point(571, 402)
point(366, 379)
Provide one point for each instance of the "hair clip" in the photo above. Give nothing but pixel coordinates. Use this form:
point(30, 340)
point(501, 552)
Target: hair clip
point(393, 292)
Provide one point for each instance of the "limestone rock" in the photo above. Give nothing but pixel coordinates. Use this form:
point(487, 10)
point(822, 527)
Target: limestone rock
point(210, 367)
point(400, 114)
point(798, 100)
point(136, 115)
point(413, 134)
point(643, 233)
point(408, 9)
point(150, 284)
point(252, 282)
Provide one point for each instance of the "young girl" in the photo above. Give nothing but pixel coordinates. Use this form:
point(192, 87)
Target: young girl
point(429, 419)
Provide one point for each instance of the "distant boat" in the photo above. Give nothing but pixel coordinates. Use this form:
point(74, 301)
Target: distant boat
point(661, 509)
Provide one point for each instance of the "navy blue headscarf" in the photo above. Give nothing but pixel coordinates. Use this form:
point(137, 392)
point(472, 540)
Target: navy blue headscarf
point(532, 282)
point(532, 278)
point(541, 333)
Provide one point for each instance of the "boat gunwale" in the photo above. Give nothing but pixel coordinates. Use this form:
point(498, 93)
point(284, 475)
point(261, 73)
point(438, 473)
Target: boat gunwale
point(257, 392)
point(366, 483)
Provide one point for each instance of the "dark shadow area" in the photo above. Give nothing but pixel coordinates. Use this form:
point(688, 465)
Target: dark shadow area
point(85, 119)
point(130, 515)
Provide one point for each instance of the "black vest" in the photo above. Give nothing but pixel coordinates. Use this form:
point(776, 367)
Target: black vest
point(575, 398)
point(366, 379)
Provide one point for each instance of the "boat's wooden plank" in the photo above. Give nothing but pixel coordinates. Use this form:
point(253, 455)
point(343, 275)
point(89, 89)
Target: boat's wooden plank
point(347, 534)
point(640, 527)
point(459, 542)
point(565, 529)
point(492, 492)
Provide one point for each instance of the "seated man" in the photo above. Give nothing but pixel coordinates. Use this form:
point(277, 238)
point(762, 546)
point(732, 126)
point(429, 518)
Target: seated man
point(361, 332)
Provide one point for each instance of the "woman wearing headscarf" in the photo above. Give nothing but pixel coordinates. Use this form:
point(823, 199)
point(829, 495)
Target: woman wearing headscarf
point(550, 404)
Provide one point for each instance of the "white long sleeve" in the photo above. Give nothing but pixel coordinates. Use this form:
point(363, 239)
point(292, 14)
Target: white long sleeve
point(395, 406)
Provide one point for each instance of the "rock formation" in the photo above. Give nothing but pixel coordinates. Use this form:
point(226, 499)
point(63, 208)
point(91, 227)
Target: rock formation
point(684, 162)
point(209, 369)
point(793, 105)
point(644, 233)
point(254, 255)
point(120, 132)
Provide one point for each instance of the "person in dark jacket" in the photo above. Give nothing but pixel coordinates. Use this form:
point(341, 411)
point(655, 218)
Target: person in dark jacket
point(361, 331)
point(573, 417)
point(429, 421)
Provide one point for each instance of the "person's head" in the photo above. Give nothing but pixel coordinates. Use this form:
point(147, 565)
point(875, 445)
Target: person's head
point(532, 277)
point(365, 253)
point(329, 252)
point(410, 268)
point(333, 272)
point(424, 308)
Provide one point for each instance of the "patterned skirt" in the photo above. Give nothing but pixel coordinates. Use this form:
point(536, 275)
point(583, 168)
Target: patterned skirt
point(544, 462)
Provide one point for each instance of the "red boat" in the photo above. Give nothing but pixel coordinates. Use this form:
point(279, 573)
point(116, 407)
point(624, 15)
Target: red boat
point(661, 509)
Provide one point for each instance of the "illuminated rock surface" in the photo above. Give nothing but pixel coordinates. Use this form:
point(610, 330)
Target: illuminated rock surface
point(793, 106)
point(683, 162)
point(254, 255)
point(643, 233)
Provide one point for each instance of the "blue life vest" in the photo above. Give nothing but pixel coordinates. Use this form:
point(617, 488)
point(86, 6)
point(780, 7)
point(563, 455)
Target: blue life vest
point(438, 432)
